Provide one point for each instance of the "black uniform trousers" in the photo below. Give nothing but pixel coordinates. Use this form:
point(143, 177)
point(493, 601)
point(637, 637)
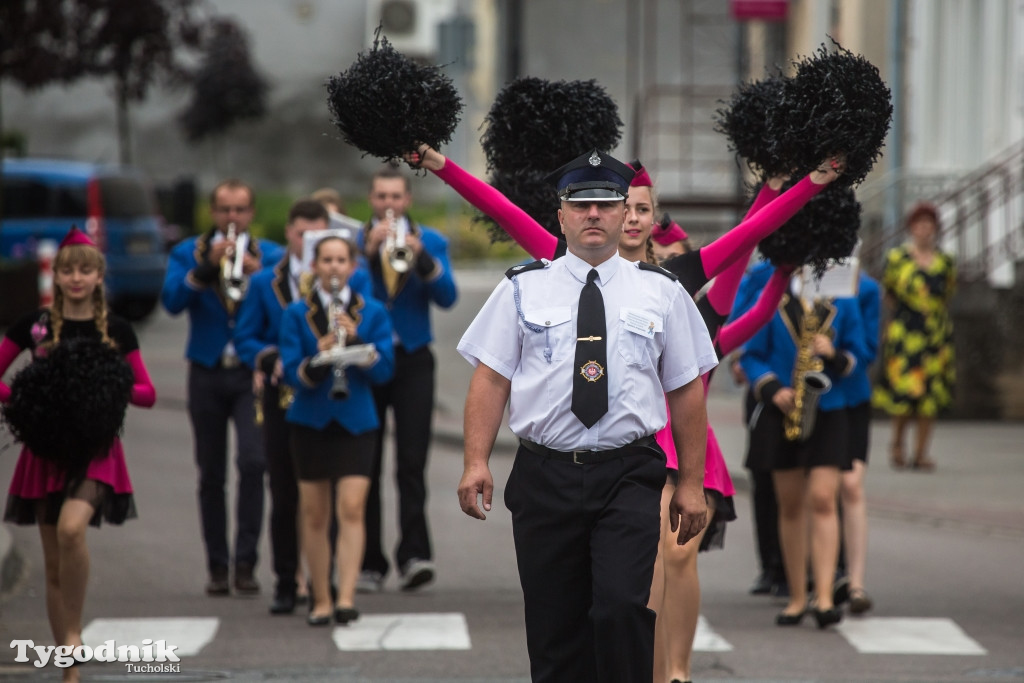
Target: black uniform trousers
point(586, 538)
point(284, 491)
point(215, 396)
point(410, 394)
point(765, 508)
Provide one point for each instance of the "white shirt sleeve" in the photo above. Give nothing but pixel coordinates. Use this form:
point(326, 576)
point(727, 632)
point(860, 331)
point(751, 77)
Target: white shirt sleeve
point(494, 338)
point(689, 352)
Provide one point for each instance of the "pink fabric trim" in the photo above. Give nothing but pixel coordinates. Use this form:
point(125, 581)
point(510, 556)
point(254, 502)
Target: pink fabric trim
point(8, 352)
point(745, 236)
point(528, 233)
point(35, 477)
point(733, 335)
point(143, 391)
point(723, 290)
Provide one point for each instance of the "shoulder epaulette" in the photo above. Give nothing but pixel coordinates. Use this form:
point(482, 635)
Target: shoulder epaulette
point(656, 269)
point(526, 267)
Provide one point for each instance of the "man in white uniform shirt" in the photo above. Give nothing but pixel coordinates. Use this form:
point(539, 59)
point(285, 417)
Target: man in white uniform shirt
point(587, 348)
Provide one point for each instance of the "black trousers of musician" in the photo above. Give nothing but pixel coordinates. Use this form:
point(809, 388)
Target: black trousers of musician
point(410, 395)
point(586, 538)
point(284, 491)
point(765, 508)
point(217, 396)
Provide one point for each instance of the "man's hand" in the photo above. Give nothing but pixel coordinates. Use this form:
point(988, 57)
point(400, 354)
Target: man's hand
point(258, 378)
point(375, 237)
point(278, 375)
point(687, 512)
point(785, 399)
point(250, 264)
point(476, 482)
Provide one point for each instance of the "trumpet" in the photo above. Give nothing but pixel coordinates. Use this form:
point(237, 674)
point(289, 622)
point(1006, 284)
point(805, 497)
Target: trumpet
point(341, 356)
point(397, 252)
point(232, 277)
point(339, 389)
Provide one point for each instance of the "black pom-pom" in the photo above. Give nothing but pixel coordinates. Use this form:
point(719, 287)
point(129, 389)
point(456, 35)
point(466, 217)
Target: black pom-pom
point(536, 124)
point(824, 229)
point(69, 406)
point(836, 104)
point(386, 104)
point(531, 192)
point(744, 121)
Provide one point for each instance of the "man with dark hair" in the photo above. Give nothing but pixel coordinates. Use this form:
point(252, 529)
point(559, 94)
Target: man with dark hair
point(587, 348)
point(410, 272)
point(201, 280)
point(256, 338)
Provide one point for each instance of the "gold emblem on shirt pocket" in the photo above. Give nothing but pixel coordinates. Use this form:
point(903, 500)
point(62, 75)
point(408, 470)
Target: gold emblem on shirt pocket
point(553, 341)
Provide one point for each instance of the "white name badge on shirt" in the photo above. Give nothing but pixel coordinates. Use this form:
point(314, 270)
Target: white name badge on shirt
point(640, 322)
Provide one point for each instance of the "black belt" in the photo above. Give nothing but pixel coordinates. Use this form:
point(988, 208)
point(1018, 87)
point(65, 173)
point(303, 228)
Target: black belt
point(644, 445)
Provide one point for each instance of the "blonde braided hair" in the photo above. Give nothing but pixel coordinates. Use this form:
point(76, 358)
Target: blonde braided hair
point(77, 254)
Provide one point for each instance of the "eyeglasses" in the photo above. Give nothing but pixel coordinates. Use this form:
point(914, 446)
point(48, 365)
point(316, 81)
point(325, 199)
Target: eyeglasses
point(233, 209)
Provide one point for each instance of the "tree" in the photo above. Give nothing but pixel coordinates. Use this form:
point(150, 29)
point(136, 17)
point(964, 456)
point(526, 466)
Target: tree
point(137, 42)
point(35, 46)
point(226, 87)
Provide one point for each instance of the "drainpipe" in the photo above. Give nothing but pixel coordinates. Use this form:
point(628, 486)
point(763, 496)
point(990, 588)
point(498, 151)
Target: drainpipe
point(897, 56)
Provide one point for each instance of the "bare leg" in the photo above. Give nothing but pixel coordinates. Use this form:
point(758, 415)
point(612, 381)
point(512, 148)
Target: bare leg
point(790, 491)
point(73, 571)
point(352, 492)
point(924, 433)
point(899, 427)
point(54, 601)
point(823, 488)
point(315, 508)
point(681, 606)
point(656, 601)
point(855, 524)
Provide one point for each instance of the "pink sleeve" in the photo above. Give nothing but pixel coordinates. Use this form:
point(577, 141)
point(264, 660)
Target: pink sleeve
point(723, 290)
point(736, 333)
point(528, 233)
point(745, 236)
point(8, 352)
point(143, 391)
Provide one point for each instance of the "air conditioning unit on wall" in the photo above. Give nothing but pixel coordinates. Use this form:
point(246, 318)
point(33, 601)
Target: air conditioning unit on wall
point(411, 26)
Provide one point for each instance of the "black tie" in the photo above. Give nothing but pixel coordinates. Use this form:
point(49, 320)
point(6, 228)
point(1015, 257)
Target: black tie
point(590, 373)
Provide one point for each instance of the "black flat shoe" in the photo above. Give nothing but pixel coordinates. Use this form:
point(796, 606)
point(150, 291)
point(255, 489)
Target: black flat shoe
point(783, 619)
point(322, 620)
point(343, 615)
point(283, 603)
point(827, 617)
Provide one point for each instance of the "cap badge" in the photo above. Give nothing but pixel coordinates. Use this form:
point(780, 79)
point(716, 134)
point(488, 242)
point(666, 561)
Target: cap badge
point(592, 371)
point(595, 159)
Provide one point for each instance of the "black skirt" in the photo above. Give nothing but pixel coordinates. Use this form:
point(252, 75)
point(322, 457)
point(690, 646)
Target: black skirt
point(859, 418)
point(332, 452)
point(827, 446)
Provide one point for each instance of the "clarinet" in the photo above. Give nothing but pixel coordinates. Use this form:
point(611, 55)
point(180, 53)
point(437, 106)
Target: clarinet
point(339, 388)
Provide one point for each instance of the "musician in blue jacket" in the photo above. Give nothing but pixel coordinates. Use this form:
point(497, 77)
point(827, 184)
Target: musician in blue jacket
point(409, 288)
point(259, 322)
point(334, 433)
point(805, 471)
point(856, 389)
point(765, 511)
point(219, 384)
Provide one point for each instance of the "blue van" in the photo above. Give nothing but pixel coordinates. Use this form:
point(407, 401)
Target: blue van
point(115, 205)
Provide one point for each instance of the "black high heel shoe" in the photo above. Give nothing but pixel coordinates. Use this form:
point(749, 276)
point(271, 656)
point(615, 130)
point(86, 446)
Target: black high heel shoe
point(344, 615)
point(827, 617)
point(783, 619)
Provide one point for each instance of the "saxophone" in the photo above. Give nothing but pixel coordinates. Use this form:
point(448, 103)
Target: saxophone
point(809, 382)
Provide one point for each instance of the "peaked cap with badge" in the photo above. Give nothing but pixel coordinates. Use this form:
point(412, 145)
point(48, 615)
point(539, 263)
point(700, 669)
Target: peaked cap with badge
point(592, 177)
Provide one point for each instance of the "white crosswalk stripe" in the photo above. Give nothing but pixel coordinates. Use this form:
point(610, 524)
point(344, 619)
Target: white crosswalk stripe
point(439, 631)
point(892, 635)
point(450, 631)
point(189, 635)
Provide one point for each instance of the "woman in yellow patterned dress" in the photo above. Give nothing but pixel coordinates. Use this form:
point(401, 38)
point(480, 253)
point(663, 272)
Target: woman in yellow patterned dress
point(917, 373)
